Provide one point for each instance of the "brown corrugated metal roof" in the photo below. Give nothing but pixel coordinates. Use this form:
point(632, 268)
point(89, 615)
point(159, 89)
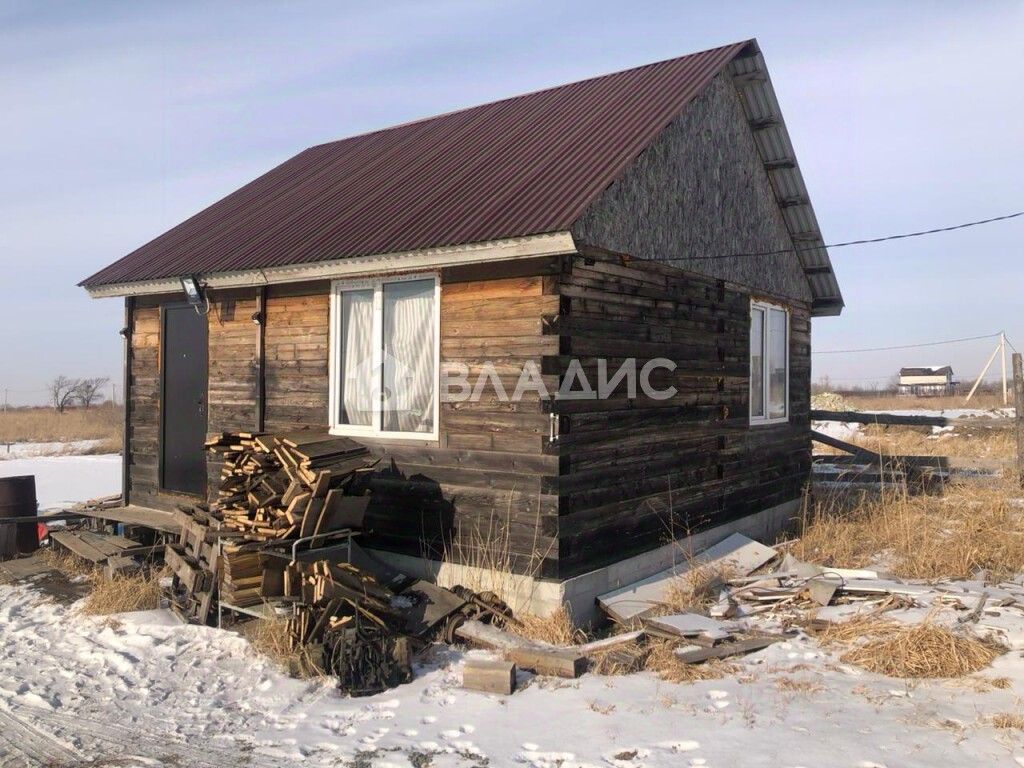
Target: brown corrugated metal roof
point(525, 165)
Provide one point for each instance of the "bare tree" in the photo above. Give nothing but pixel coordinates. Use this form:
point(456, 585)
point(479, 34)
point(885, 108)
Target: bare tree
point(63, 392)
point(89, 391)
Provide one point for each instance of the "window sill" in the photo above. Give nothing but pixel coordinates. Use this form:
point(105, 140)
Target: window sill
point(356, 434)
point(769, 422)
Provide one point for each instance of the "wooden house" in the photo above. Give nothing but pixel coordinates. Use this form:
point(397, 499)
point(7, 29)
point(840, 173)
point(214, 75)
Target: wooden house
point(648, 215)
point(927, 381)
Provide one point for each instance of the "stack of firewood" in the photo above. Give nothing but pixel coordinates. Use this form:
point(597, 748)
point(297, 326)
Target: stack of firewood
point(287, 486)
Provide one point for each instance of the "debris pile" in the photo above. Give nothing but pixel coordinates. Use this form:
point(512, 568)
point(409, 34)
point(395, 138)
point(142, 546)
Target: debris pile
point(277, 494)
point(288, 486)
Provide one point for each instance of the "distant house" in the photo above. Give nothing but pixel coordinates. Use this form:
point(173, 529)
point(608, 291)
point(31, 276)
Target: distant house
point(927, 381)
point(556, 232)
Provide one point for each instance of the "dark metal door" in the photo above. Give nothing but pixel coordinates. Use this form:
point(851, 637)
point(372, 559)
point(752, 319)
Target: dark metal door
point(183, 401)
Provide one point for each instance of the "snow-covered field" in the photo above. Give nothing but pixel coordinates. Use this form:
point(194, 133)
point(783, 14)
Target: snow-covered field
point(142, 686)
point(31, 450)
point(64, 480)
point(847, 431)
point(144, 690)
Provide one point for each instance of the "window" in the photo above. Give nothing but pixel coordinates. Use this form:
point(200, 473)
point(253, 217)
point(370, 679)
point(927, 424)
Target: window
point(769, 364)
point(384, 357)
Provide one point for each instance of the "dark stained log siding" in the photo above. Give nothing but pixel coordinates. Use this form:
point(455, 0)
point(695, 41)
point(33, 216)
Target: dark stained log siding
point(231, 392)
point(483, 478)
point(639, 473)
point(486, 478)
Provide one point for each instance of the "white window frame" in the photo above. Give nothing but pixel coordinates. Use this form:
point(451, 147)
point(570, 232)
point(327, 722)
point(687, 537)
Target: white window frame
point(334, 342)
point(766, 308)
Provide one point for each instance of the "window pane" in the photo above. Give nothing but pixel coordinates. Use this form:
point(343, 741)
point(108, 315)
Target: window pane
point(777, 364)
point(356, 356)
point(757, 362)
point(409, 376)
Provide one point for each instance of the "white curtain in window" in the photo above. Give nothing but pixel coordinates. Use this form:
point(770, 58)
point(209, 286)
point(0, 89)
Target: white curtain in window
point(757, 362)
point(777, 364)
point(357, 375)
point(408, 395)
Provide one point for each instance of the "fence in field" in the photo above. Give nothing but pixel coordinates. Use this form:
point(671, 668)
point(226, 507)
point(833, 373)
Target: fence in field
point(921, 465)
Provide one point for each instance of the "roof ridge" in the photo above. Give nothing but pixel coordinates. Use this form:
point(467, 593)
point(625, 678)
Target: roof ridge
point(535, 92)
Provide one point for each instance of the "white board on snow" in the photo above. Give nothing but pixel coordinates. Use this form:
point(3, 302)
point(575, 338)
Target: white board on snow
point(689, 625)
point(737, 553)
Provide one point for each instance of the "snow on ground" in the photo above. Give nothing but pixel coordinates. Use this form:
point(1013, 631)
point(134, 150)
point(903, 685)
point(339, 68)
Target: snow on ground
point(28, 450)
point(842, 430)
point(142, 686)
point(142, 689)
point(64, 480)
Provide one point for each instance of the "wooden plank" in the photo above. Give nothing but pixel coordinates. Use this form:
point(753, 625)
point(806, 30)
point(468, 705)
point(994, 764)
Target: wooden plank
point(72, 541)
point(544, 660)
point(735, 553)
point(842, 445)
point(688, 625)
point(132, 514)
point(489, 676)
point(726, 650)
point(555, 662)
point(341, 511)
point(859, 417)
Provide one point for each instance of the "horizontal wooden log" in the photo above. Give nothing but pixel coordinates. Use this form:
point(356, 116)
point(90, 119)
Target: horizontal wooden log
point(859, 417)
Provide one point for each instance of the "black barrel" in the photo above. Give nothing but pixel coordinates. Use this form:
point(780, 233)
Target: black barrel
point(18, 499)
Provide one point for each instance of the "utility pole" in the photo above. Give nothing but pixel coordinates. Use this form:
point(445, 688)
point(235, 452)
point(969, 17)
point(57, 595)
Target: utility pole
point(1002, 358)
point(5, 399)
point(1018, 402)
point(113, 394)
point(984, 370)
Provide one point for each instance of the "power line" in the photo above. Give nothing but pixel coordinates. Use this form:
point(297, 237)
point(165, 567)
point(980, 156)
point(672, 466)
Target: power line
point(865, 241)
point(905, 346)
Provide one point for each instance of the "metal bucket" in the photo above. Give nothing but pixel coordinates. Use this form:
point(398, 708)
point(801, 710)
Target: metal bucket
point(18, 499)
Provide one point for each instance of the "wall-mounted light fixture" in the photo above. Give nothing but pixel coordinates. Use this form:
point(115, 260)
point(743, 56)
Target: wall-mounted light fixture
point(123, 333)
point(193, 290)
point(257, 318)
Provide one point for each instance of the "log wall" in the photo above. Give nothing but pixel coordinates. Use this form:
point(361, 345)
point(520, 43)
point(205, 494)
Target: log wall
point(482, 493)
point(625, 475)
point(638, 473)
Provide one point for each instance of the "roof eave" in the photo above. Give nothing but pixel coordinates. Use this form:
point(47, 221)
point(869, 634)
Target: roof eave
point(764, 115)
point(530, 246)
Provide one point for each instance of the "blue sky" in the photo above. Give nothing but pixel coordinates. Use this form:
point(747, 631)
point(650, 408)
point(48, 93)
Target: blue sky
point(121, 119)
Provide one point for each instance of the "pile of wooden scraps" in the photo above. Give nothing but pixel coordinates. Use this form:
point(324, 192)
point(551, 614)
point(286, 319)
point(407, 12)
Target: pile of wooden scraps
point(195, 565)
point(365, 627)
point(795, 587)
point(289, 486)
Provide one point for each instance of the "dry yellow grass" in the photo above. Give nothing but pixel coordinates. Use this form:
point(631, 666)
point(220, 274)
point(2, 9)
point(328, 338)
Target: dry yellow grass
point(45, 425)
point(1008, 721)
point(924, 650)
point(67, 563)
point(271, 638)
point(482, 558)
point(663, 661)
point(556, 628)
point(694, 590)
point(978, 442)
point(797, 685)
point(122, 594)
point(890, 401)
point(971, 526)
point(657, 656)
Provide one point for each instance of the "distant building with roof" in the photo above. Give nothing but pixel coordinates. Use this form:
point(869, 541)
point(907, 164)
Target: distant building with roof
point(927, 381)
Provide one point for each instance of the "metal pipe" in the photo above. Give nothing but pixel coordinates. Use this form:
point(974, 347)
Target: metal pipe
point(325, 535)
